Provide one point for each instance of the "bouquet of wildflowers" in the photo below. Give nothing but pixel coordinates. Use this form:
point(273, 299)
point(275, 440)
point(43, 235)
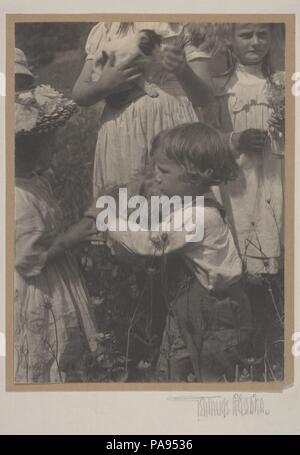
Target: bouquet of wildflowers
point(276, 124)
point(41, 109)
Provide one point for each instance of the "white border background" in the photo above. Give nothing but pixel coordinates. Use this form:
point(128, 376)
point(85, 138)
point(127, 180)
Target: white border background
point(140, 412)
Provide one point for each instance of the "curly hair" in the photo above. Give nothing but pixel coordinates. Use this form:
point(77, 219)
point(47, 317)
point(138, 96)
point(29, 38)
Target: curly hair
point(197, 147)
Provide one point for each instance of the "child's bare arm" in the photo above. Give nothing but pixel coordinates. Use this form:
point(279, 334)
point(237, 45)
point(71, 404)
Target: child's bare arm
point(149, 243)
point(75, 234)
point(194, 77)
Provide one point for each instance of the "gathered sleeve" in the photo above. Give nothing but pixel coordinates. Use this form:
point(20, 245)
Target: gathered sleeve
point(95, 41)
point(31, 237)
point(194, 53)
point(200, 49)
point(216, 262)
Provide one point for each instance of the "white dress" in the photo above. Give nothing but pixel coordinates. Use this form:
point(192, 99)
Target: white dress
point(52, 321)
point(254, 201)
point(126, 133)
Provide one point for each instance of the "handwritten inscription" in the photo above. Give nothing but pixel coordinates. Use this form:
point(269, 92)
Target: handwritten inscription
point(238, 405)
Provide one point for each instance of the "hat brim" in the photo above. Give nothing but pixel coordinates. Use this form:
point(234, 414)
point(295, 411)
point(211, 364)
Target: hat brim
point(51, 122)
point(21, 69)
point(53, 109)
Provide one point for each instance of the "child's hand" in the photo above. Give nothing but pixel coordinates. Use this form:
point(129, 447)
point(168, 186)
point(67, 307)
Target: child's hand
point(173, 59)
point(125, 257)
point(251, 140)
point(80, 232)
point(120, 78)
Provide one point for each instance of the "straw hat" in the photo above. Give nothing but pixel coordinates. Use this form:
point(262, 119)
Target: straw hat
point(21, 64)
point(40, 110)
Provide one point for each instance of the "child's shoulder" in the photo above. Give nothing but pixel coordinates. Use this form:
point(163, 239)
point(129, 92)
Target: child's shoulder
point(211, 214)
point(27, 203)
point(214, 216)
point(96, 38)
point(31, 192)
point(104, 32)
point(99, 30)
point(22, 195)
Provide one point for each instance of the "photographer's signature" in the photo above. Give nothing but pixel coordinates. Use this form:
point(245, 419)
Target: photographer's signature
point(238, 405)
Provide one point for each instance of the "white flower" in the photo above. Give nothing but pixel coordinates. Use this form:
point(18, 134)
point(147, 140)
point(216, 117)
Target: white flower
point(97, 300)
point(25, 97)
point(143, 365)
point(278, 78)
point(160, 241)
point(47, 92)
point(48, 98)
point(25, 117)
point(49, 108)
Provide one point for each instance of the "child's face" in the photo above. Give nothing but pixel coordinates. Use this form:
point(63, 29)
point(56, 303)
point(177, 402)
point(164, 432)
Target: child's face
point(46, 153)
point(170, 177)
point(23, 82)
point(251, 42)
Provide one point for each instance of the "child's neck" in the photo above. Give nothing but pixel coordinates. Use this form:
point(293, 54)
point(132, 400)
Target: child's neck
point(254, 69)
point(202, 190)
point(24, 172)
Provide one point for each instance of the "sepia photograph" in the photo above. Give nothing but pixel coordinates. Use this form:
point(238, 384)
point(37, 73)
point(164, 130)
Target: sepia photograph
point(149, 164)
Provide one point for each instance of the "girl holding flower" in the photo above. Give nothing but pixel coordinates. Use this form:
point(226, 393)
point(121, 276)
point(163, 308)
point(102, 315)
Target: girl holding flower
point(252, 117)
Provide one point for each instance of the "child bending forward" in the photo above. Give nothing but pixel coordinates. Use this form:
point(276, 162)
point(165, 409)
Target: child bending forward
point(210, 308)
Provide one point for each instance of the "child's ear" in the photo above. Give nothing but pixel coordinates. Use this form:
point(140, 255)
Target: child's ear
point(103, 59)
point(208, 175)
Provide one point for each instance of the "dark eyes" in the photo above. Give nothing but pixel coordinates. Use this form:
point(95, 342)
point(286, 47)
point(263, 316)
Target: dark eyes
point(162, 170)
point(246, 35)
point(261, 35)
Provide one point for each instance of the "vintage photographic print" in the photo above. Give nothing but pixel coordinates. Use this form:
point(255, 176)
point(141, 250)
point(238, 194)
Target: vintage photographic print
point(151, 163)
